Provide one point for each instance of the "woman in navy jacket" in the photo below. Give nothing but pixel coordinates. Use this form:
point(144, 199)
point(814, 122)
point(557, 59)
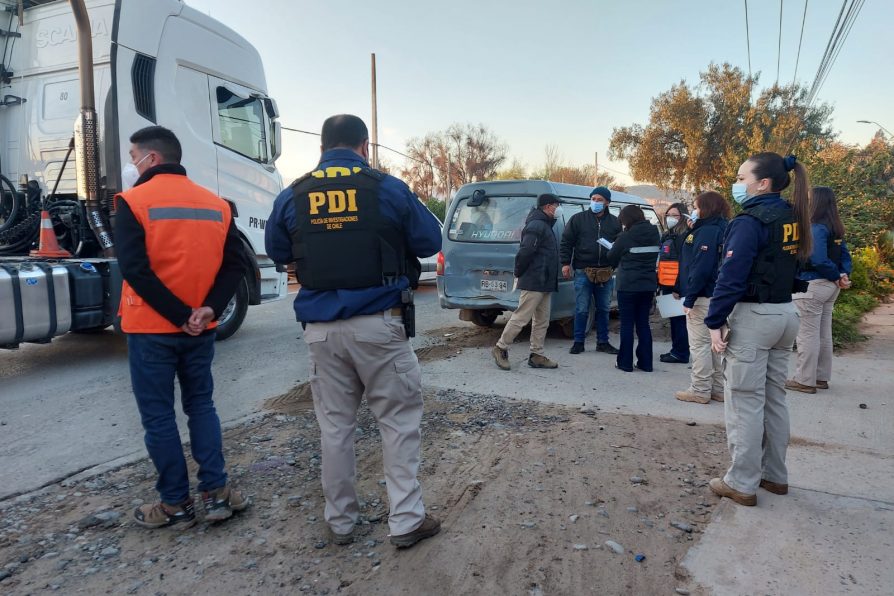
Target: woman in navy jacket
point(699, 263)
point(827, 274)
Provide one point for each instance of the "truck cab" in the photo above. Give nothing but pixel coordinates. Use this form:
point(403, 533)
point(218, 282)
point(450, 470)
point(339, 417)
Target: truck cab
point(158, 62)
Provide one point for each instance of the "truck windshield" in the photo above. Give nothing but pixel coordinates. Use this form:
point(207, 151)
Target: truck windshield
point(496, 219)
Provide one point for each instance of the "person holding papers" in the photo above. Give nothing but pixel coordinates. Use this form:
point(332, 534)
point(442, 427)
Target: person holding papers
point(699, 263)
point(633, 255)
point(676, 218)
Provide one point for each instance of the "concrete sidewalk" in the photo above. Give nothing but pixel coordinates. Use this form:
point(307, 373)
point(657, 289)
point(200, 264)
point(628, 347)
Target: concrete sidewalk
point(830, 535)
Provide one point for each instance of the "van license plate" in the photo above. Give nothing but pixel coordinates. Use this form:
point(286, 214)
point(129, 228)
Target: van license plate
point(494, 284)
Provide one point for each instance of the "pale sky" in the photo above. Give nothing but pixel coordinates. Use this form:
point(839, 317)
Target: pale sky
point(564, 72)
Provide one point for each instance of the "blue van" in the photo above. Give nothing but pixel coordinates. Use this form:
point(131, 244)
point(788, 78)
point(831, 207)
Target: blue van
point(482, 229)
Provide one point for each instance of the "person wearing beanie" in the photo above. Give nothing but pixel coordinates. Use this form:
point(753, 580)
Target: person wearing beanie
point(537, 272)
point(584, 258)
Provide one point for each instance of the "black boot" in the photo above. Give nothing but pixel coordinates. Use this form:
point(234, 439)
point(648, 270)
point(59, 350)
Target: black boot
point(576, 348)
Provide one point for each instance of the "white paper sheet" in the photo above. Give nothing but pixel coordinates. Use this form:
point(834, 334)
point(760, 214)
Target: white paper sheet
point(605, 243)
point(669, 306)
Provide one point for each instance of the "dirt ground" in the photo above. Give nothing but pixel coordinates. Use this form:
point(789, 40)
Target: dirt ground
point(529, 494)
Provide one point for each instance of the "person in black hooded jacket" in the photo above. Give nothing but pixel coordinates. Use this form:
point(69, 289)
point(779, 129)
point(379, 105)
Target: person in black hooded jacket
point(537, 271)
point(634, 254)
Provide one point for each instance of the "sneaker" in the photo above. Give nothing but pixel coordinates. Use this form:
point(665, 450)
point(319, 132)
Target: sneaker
point(822, 384)
point(796, 386)
point(162, 515)
point(671, 359)
point(341, 539)
point(428, 528)
point(717, 397)
point(221, 503)
point(774, 487)
point(693, 397)
point(576, 348)
point(541, 361)
point(722, 489)
point(501, 357)
point(606, 347)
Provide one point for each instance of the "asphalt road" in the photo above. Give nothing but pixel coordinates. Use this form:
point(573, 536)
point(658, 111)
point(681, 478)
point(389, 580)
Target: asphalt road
point(68, 406)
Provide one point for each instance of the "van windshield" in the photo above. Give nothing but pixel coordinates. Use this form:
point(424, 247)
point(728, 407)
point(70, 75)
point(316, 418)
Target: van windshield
point(497, 219)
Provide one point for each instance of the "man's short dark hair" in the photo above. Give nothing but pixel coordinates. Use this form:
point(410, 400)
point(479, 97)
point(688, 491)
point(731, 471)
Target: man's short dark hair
point(161, 140)
point(343, 130)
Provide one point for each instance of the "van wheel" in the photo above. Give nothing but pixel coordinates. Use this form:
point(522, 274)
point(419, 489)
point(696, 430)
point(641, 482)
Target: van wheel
point(485, 318)
point(231, 318)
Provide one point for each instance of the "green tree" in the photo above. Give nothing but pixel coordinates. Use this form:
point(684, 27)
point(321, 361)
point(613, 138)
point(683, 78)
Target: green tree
point(863, 181)
point(697, 136)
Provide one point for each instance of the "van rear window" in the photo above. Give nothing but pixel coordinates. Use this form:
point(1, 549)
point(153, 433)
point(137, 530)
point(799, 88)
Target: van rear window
point(496, 219)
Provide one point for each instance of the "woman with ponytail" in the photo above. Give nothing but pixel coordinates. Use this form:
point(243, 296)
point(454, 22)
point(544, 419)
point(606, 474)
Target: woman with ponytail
point(753, 321)
point(827, 274)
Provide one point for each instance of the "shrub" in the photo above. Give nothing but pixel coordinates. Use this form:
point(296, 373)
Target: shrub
point(872, 281)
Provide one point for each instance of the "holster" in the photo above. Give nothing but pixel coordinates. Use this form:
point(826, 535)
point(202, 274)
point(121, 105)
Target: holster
point(408, 312)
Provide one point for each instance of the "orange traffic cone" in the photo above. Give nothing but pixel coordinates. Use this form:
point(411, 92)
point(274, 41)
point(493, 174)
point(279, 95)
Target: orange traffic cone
point(49, 246)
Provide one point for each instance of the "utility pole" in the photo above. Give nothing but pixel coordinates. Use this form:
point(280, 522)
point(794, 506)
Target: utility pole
point(595, 168)
point(374, 141)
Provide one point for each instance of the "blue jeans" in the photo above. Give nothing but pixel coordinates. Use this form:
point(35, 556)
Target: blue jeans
point(634, 308)
point(584, 292)
point(154, 361)
point(679, 336)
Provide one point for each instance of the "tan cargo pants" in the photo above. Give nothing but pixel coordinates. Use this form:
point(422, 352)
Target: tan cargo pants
point(815, 334)
point(706, 378)
point(367, 356)
point(533, 307)
point(755, 368)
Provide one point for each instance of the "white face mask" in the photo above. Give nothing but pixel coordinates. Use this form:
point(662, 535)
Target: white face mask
point(130, 174)
point(558, 212)
point(672, 222)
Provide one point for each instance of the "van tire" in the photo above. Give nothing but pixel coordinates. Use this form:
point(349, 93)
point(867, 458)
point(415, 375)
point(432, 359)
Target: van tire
point(485, 318)
point(567, 323)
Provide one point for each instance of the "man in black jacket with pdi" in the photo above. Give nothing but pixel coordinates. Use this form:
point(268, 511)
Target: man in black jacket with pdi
point(537, 271)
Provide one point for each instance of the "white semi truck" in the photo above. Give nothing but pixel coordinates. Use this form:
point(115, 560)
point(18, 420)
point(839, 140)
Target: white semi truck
point(77, 78)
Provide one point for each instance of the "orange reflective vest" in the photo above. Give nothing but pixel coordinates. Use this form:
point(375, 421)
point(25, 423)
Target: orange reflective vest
point(186, 227)
point(668, 261)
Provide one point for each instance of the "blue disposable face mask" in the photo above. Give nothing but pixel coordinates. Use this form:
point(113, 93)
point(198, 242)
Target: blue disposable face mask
point(693, 217)
point(740, 192)
point(596, 207)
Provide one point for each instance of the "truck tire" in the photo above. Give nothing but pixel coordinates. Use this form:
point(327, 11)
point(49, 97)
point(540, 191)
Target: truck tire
point(233, 315)
point(485, 318)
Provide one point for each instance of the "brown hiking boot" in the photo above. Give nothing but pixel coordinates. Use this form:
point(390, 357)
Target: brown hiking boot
point(774, 487)
point(428, 528)
point(693, 397)
point(796, 386)
point(221, 503)
point(717, 397)
point(822, 384)
point(162, 515)
point(722, 489)
point(541, 361)
point(501, 357)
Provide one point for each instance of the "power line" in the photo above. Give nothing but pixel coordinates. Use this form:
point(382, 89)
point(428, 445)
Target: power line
point(800, 39)
point(779, 48)
point(748, 42)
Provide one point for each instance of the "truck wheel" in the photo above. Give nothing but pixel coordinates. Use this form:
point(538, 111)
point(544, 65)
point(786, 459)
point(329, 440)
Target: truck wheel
point(485, 318)
point(233, 315)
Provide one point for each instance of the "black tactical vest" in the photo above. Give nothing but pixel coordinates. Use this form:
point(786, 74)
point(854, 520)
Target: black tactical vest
point(342, 240)
point(775, 268)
